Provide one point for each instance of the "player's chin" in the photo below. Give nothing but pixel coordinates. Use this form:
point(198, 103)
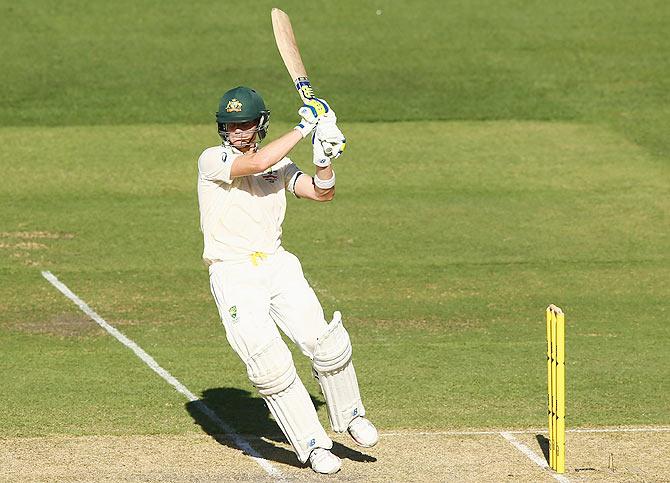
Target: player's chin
point(241, 143)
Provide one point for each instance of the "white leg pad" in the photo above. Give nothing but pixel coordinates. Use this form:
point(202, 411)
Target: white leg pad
point(272, 372)
point(337, 377)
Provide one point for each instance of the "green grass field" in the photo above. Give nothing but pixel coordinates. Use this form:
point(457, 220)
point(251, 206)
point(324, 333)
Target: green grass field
point(499, 159)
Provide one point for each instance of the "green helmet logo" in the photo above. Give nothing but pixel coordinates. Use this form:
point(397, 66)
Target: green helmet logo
point(240, 105)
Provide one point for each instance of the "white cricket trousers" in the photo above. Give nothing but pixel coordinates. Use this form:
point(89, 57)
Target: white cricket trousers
point(255, 296)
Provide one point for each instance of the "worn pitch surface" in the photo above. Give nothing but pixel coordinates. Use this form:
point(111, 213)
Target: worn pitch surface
point(403, 456)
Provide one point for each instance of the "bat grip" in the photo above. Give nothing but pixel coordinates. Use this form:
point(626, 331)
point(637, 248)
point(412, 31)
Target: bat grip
point(304, 88)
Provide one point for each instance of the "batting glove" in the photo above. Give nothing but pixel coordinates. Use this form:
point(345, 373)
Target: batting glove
point(308, 121)
point(329, 135)
point(321, 107)
point(319, 157)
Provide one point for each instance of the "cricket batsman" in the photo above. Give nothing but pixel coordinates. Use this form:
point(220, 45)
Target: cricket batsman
point(259, 287)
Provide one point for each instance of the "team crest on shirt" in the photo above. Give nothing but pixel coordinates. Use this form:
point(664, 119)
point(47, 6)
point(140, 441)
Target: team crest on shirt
point(233, 312)
point(270, 176)
point(234, 106)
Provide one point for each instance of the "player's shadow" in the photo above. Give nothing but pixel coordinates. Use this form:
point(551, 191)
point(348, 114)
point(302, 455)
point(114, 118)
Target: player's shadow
point(248, 416)
point(544, 445)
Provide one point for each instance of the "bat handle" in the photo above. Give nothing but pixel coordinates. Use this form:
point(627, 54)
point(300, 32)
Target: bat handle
point(304, 88)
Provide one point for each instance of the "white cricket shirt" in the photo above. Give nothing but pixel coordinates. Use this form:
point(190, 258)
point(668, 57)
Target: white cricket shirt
point(243, 215)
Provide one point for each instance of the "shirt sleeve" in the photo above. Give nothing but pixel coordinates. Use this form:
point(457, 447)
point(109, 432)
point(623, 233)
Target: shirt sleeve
point(290, 173)
point(214, 165)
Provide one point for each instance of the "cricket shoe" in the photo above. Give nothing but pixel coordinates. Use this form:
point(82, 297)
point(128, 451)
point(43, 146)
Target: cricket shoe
point(363, 432)
point(323, 461)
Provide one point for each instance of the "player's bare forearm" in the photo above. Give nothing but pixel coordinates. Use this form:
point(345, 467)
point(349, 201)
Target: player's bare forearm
point(254, 162)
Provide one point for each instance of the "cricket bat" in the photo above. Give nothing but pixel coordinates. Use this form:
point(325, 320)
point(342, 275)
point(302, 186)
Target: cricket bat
point(290, 54)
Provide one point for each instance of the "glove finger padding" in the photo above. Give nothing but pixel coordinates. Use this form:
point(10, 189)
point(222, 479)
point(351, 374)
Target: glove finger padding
point(308, 121)
point(334, 150)
point(308, 114)
point(330, 136)
point(329, 131)
point(319, 156)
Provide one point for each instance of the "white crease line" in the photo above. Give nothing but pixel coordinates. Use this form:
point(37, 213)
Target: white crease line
point(660, 429)
point(619, 430)
point(148, 360)
point(541, 462)
point(438, 433)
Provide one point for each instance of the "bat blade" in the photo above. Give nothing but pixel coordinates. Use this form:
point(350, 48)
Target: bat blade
point(290, 54)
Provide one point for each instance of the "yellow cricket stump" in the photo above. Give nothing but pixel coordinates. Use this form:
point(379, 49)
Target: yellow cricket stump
point(556, 387)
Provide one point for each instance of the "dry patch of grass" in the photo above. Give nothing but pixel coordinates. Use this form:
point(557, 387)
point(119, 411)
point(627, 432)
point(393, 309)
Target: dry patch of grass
point(32, 235)
point(67, 325)
point(24, 245)
point(428, 326)
point(62, 325)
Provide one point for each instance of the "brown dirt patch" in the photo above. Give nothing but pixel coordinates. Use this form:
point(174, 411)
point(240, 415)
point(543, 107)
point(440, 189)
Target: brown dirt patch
point(613, 456)
point(62, 325)
point(74, 324)
point(403, 456)
point(201, 458)
point(126, 458)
